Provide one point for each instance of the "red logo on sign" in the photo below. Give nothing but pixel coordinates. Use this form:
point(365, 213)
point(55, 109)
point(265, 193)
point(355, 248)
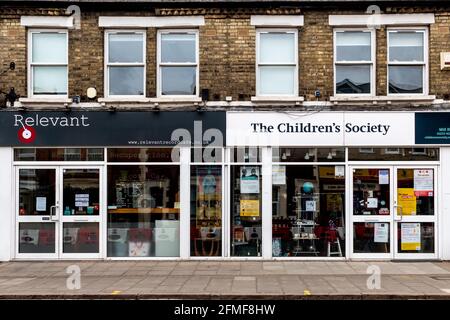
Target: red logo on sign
point(26, 134)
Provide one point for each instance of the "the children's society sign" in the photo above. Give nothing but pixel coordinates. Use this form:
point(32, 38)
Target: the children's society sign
point(320, 129)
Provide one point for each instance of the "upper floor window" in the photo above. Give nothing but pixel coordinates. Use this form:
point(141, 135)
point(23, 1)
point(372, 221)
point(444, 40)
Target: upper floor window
point(407, 61)
point(125, 63)
point(354, 62)
point(47, 62)
point(178, 63)
point(277, 62)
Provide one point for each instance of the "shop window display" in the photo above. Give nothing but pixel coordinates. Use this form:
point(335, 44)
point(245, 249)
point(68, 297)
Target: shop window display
point(143, 211)
point(206, 210)
point(246, 210)
point(308, 211)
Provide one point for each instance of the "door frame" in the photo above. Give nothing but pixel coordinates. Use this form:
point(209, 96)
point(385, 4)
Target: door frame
point(392, 218)
point(58, 254)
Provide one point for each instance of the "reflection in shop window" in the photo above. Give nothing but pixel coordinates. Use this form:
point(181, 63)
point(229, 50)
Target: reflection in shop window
point(206, 211)
point(371, 237)
point(393, 154)
point(246, 154)
point(246, 211)
point(285, 154)
point(143, 211)
point(58, 154)
point(308, 211)
point(140, 155)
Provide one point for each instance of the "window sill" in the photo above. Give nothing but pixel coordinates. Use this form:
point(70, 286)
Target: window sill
point(176, 99)
point(45, 100)
point(124, 100)
point(375, 99)
point(277, 99)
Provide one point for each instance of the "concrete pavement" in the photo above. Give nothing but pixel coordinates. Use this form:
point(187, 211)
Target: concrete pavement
point(225, 279)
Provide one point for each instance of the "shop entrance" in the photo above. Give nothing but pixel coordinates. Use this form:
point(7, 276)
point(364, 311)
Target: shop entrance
point(393, 212)
point(58, 212)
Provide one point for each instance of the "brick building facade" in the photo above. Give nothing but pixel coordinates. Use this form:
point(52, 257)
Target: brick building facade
point(225, 129)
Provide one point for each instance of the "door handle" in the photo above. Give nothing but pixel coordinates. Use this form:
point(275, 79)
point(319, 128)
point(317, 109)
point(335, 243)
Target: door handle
point(398, 214)
point(53, 215)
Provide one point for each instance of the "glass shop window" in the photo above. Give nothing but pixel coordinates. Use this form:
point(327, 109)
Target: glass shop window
point(246, 210)
point(285, 154)
point(143, 211)
point(308, 211)
point(58, 154)
point(393, 154)
point(143, 155)
point(206, 210)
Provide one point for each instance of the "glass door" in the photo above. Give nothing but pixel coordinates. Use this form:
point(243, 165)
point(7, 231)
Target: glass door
point(37, 202)
point(80, 212)
point(58, 212)
point(415, 213)
point(371, 212)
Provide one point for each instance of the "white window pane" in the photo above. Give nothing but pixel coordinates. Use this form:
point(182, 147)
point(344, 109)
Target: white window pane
point(353, 79)
point(406, 46)
point(178, 48)
point(126, 81)
point(277, 48)
point(276, 80)
point(126, 48)
point(178, 80)
point(353, 46)
point(49, 47)
point(405, 79)
point(50, 80)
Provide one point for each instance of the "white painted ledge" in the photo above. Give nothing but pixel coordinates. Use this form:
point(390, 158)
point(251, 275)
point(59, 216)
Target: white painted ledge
point(176, 100)
point(374, 99)
point(46, 21)
point(151, 22)
point(55, 100)
point(123, 100)
point(277, 99)
point(277, 21)
point(411, 19)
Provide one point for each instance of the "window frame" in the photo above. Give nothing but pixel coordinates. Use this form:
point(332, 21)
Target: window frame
point(424, 64)
point(372, 63)
point(108, 64)
point(260, 31)
point(31, 64)
point(160, 64)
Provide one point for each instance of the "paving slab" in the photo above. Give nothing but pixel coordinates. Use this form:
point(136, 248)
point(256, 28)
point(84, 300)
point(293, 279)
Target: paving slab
point(223, 279)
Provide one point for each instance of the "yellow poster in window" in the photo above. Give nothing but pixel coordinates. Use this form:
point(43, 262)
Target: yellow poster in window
point(407, 203)
point(249, 208)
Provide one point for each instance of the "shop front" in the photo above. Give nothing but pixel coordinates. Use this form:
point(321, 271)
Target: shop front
point(216, 185)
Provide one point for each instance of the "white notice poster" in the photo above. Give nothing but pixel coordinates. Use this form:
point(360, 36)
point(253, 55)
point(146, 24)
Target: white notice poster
point(423, 183)
point(279, 175)
point(383, 177)
point(410, 235)
point(339, 171)
point(249, 179)
point(381, 233)
point(41, 203)
point(82, 200)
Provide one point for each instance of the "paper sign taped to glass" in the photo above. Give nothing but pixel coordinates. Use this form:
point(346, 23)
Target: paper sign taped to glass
point(249, 208)
point(410, 235)
point(423, 182)
point(407, 201)
point(249, 180)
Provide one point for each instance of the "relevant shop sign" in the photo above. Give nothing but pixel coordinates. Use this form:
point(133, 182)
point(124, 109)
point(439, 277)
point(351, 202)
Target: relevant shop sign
point(100, 128)
point(432, 128)
point(320, 129)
